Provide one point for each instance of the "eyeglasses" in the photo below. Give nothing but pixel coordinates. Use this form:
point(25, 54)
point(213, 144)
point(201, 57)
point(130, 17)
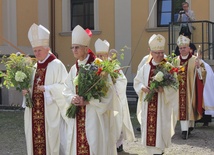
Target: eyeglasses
point(76, 47)
point(182, 48)
point(158, 53)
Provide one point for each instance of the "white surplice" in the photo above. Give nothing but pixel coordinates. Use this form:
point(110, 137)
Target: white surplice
point(208, 90)
point(167, 102)
point(97, 123)
point(123, 116)
point(55, 110)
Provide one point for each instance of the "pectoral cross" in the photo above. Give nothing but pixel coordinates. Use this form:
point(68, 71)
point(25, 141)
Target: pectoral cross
point(38, 80)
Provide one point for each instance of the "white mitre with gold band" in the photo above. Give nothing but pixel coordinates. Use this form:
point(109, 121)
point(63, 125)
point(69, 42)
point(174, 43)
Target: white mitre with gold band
point(38, 36)
point(183, 41)
point(156, 42)
point(80, 36)
point(101, 47)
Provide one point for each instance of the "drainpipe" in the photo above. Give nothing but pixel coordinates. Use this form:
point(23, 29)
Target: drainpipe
point(52, 38)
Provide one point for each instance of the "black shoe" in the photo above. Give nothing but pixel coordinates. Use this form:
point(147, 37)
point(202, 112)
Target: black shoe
point(138, 129)
point(190, 130)
point(120, 148)
point(184, 135)
point(206, 124)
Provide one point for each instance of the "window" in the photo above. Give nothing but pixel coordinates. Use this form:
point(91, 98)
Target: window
point(167, 11)
point(82, 13)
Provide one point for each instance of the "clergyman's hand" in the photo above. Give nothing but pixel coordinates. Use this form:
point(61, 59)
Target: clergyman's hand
point(83, 102)
point(76, 100)
point(41, 88)
point(145, 89)
point(160, 89)
point(197, 63)
point(24, 92)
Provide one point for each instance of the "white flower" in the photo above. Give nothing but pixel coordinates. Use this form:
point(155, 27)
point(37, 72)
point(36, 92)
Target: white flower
point(20, 76)
point(18, 53)
point(75, 81)
point(175, 75)
point(159, 76)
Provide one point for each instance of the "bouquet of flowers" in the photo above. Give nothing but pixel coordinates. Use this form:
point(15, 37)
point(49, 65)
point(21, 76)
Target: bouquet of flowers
point(172, 58)
point(92, 81)
point(165, 76)
point(18, 74)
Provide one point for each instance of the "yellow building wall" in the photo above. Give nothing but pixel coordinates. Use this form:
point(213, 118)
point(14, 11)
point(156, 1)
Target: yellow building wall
point(62, 43)
point(140, 32)
point(141, 35)
point(202, 13)
point(106, 26)
point(106, 22)
point(27, 14)
point(201, 9)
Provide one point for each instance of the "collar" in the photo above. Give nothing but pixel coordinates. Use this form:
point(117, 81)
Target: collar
point(155, 63)
point(184, 57)
point(41, 62)
point(83, 62)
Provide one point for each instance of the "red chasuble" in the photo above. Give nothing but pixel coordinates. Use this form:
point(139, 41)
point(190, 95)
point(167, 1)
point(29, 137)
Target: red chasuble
point(199, 96)
point(38, 110)
point(82, 143)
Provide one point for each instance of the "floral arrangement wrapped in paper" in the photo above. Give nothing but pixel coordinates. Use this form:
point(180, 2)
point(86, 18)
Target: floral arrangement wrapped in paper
point(165, 76)
point(18, 73)
point(91, 81)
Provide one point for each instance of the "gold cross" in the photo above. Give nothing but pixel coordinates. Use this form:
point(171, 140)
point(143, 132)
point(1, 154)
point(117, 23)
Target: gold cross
point(38, 80)
point(159, 39)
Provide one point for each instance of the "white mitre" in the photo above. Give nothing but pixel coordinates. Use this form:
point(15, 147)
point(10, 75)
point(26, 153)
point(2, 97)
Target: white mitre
point(101, 47)
point(183, 41)
point(80, 36)
point(38, 36)
point(156, 42)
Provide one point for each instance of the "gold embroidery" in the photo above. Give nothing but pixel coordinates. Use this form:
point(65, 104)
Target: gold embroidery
point(82, 143)
point(38, 117)
point(152, 117)
point(182, 96)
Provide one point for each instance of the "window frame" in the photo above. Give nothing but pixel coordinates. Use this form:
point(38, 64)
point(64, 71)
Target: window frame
point(173, 11)
point(87, 15)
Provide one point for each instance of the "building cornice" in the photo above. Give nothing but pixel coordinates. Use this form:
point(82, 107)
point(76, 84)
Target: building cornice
point(65, 34)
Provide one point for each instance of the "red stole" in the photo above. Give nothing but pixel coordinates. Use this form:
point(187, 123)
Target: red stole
point(152, 113)
point(82, 143)
point(199, 96)
point(38, 110)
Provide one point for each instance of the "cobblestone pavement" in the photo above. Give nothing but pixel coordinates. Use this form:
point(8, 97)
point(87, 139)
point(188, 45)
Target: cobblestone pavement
point(200, 142)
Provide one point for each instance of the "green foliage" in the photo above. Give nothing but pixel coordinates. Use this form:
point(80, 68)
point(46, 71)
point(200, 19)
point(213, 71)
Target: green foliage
point(172, 58)
point(19, 69)
point(16, 63)
point(165, 76)
point(90, 83)
point(112, 68)
point(92, 80)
